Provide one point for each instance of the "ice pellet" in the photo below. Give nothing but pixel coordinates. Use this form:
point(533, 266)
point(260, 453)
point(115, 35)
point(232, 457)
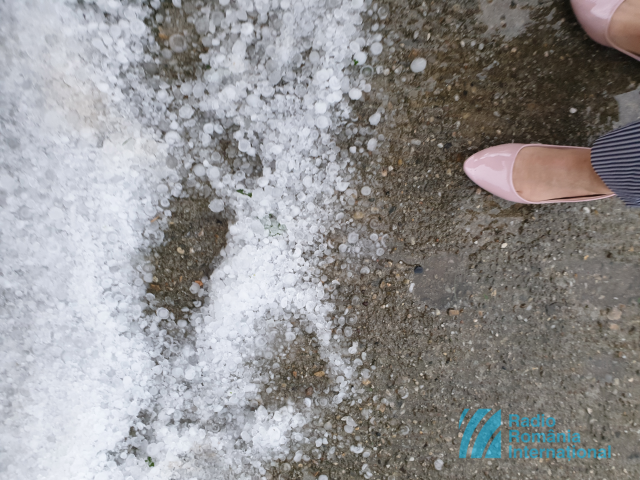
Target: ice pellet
point(244, 145)
point(418, 65)
point(355, 94)
point(177, 43)
point(322, 122)
point(320, 107)
point(186, 112)
point(199, 170)
point(216, 205)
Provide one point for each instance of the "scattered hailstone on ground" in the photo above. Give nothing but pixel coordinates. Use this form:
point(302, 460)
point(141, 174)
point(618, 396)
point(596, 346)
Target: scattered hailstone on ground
point(323, 122)
point(320, 107)
point(199, 170)
point(376, 48)
point(186, 112)
point(177, 43)
point(360, 57)
point(216, 205)
point(418, 65)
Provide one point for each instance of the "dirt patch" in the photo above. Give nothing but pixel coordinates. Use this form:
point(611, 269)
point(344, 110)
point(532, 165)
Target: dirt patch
point(192, 242)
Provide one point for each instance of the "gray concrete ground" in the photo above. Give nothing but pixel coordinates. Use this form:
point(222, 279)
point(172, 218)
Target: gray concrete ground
point(528, 309)
point(481, 303)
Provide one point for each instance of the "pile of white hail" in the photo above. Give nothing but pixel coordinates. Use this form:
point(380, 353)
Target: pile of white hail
point(94, 144)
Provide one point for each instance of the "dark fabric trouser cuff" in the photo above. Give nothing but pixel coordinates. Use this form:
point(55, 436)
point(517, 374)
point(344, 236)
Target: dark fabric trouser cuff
point(616, 159)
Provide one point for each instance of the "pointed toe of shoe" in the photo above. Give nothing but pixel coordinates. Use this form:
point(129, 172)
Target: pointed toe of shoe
point(492, 170)
point(594, 17)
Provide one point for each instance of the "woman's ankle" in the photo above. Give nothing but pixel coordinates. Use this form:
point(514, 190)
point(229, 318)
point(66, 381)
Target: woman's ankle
point(624, 28)
point(543, 173)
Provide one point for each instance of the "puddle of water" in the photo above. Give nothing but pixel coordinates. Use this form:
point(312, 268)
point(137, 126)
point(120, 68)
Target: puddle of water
point(506, 18)
point(628, 107)
point(603, 368)
point(604, 283)
point(442, 280)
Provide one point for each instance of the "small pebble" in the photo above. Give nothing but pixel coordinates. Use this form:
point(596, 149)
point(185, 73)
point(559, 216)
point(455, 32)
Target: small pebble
point(614, 314)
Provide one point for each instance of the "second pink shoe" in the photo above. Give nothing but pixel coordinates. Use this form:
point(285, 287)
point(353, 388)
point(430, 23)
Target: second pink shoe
point(595, 17)
point(492, 169)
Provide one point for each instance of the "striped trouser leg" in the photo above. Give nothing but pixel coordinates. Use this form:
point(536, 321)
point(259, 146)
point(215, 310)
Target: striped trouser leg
point(616, 159)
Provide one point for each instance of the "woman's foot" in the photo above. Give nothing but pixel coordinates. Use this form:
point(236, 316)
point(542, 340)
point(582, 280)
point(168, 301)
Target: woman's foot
point(624, 29)
point(544, 173)
point(522, 173)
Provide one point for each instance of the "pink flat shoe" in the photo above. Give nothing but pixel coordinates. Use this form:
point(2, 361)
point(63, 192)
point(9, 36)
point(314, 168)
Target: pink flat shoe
point(595, 16)
point(492, 169)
